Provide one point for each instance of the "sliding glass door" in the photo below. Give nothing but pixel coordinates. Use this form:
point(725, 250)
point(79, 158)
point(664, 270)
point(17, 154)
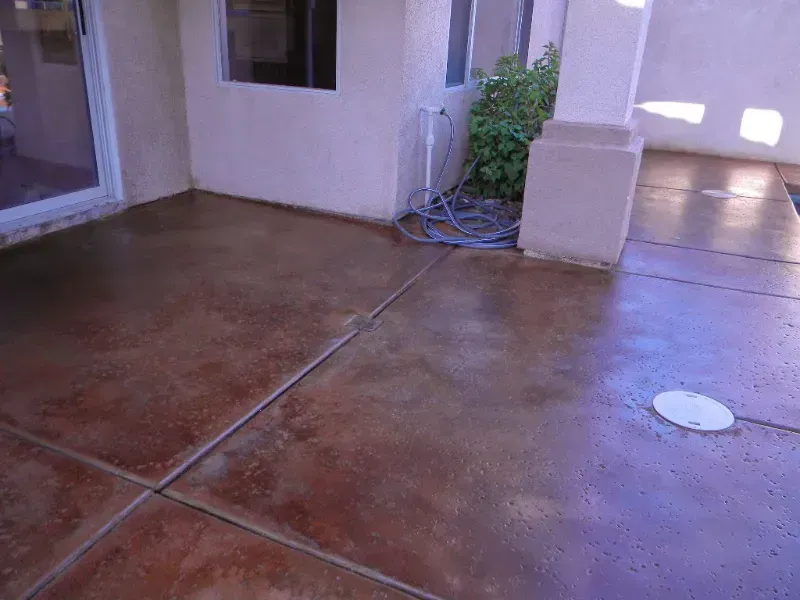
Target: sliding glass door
point(49, 138)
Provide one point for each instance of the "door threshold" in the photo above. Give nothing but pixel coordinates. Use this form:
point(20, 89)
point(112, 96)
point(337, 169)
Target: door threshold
point(34, 221)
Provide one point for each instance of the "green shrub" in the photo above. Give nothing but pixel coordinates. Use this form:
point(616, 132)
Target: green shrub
point(504, 121)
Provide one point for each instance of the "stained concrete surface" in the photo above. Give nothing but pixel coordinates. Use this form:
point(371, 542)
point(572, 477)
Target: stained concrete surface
point(476, 460)
point(49, 505)
point(790, 174)
point(491, 439)
point(186, 554)
point(761, 228)
point(138, 339)
point(697, 172)
point(712, 268)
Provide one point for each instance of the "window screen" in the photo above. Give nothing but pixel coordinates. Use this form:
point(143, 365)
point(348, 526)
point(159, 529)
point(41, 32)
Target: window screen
point(458, 45)
point(280, 42)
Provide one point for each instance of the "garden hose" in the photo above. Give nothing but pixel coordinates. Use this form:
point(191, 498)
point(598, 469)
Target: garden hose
point(458, 219)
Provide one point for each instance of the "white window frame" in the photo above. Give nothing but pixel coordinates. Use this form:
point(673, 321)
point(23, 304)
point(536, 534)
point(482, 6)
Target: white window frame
point(220, 24)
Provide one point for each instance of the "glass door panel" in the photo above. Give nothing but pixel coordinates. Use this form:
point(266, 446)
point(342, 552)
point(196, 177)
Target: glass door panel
point(47, 143)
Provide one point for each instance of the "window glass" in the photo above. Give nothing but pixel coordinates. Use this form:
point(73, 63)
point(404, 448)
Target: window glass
point(280, 42)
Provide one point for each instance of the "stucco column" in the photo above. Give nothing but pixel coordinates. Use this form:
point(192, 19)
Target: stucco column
point(582, 171)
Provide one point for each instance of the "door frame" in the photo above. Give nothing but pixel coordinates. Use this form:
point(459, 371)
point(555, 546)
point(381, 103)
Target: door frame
point(98, 92)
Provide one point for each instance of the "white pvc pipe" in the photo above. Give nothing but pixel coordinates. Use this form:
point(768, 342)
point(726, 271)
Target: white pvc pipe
point(430, 140)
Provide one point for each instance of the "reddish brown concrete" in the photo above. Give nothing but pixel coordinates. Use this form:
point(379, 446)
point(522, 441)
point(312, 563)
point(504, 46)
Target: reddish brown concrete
point(168, 551)
point(697, 172)
point(139, 338)
point(790, 174)
point(747, 226)
point(711, 268)
point(49, 506)
point(493, 440)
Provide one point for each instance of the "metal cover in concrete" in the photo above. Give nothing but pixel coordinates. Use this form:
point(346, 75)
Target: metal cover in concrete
point(693, 411)
point(719, 194)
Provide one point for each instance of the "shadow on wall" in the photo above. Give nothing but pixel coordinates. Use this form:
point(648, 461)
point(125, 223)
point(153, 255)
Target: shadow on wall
point(722, 77)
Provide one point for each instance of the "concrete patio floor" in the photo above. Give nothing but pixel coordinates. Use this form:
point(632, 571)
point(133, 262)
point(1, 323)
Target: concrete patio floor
point(185, 411)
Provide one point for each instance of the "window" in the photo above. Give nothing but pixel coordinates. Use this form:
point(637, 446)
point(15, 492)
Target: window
point(458, 49)
point(525, 30)
point(481, 31)
point(279, 42)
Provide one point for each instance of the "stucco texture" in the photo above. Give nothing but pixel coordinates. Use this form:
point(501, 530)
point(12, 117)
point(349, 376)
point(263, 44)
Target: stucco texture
point(723, 57)
point(602, 56)
point(359, 150)
point(146, 79)
point(424, 69)
point(333, 151)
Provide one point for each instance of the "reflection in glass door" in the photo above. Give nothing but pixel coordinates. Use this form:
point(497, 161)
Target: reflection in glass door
point(47, 139)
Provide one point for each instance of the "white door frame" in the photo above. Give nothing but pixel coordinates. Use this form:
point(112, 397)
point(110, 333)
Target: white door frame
point(98, 93)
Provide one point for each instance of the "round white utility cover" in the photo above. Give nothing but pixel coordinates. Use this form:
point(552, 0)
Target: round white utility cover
point(719, 194)
point(693, 411)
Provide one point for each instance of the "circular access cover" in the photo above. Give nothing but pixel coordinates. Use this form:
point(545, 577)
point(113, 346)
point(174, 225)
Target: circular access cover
point(719, 194)
point(693, 411)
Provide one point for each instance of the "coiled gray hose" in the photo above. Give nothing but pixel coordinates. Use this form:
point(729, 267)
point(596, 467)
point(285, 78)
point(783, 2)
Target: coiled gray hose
point(468, 221)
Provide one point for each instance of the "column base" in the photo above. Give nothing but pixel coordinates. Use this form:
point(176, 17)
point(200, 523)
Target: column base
point(568, 259)
point(579, 192)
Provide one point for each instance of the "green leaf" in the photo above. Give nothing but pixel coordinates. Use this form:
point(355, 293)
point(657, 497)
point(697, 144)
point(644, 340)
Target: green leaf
point(508, 115)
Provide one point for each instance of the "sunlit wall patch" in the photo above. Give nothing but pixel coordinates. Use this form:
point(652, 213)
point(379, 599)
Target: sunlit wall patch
point(761, 125)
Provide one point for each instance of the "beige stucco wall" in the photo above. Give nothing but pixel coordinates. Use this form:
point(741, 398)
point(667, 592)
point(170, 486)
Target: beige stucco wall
point(358, 151)
point(336, 152)
point(597, 82)
point(424, 65)
point(712, 60)
point(145, 76)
